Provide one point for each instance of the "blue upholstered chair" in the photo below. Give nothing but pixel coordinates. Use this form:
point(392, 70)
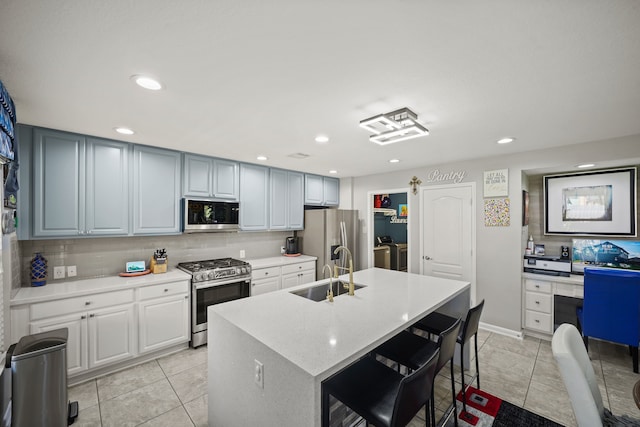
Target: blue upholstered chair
point(611, 308)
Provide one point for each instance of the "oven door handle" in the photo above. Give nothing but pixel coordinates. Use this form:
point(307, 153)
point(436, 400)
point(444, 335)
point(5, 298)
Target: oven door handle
point(206, 285)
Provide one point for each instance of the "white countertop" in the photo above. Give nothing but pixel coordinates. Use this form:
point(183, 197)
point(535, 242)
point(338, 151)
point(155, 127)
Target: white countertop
point(316, 336)
point(60, 289)
point(278, 261)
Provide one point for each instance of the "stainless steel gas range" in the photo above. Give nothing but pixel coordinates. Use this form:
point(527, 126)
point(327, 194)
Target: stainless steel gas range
point(213, 282)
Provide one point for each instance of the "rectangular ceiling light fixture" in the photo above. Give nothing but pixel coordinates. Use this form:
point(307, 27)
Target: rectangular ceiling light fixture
point(395, 126)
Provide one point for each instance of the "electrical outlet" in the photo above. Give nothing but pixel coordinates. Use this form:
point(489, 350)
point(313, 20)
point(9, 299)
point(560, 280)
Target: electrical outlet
point(282, 249)
point(71, 271)
point(242, 254)
point(258, 373)
point(58, 272)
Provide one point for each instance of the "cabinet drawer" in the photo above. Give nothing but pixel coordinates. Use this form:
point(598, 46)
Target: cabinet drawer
point(294, 268)
point(85, 303)
point(537, 321)
point(568, 290)
point(538, 302)
point(163, 290)
point(538, 286)
point(263, 273)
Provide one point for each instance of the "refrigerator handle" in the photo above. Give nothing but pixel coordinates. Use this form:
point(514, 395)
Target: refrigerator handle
point(343, 241)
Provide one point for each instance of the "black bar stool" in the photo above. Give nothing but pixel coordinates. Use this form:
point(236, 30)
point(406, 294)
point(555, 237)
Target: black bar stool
point(435, 323)
point(378, 393)
point(412, 351)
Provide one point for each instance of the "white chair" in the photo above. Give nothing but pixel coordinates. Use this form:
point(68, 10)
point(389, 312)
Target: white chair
point(578, 376)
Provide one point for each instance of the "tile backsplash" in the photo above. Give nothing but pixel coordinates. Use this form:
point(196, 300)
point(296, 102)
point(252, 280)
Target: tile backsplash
point(99, 257)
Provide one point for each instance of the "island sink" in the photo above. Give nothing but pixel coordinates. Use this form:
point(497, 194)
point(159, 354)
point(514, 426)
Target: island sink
point(319, 292)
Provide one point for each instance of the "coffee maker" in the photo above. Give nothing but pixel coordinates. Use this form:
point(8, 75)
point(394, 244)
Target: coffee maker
point(292, 246)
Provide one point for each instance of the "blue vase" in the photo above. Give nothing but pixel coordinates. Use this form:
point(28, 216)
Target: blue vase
point(38, 270)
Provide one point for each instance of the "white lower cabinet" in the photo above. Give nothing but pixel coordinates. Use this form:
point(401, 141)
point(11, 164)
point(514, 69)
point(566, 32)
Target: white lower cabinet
point(111, 335)
point(265, 280)
point(271, 279)
point(538, 306)
point(96, 338)
point(298, 274)
point(77, 345)
point(163, 321)
point(111, 327)
point(538, 300)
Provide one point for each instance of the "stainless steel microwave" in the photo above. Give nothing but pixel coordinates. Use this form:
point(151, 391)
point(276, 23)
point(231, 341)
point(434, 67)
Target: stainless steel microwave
point(201, 215)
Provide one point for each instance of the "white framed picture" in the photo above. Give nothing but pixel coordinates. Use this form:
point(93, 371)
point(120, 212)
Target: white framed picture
point(496, 183)
point(592, 203)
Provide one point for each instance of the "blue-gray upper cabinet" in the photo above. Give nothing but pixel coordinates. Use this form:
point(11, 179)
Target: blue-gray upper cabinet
point(80, 185)
point(287, 200)
point(226, 179)
point(210, 178)
point(321, 190)
point(107, 187)
point(254, 197)
point(197, 176)
point(156, 191)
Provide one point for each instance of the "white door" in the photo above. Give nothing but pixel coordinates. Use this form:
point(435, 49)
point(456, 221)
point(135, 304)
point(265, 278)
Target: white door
point(448, 230)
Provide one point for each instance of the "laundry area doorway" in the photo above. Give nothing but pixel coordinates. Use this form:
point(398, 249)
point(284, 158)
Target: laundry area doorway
point(389, 247)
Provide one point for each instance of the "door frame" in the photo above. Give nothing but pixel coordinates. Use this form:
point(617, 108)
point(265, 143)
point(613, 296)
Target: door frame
point(370, 229)
point(472, 186)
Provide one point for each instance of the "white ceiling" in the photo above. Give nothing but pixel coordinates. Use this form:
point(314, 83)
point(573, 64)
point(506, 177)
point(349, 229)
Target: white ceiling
point(253, 77)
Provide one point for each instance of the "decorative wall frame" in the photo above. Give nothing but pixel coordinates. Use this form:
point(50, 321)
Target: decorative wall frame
point(497, 212)
point(496, 183)
point(601, 203)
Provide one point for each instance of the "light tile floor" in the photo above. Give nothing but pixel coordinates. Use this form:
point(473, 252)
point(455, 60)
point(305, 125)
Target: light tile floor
point(172, 391)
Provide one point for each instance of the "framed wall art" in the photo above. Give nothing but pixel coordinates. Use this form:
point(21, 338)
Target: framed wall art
point(496, 183)
point(593, 203)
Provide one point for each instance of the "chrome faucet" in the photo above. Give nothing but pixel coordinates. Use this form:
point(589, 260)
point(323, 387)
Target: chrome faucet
point(351, 285)
point(330, 290)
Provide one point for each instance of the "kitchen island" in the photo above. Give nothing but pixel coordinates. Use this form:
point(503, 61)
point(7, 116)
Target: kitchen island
point(300, 342)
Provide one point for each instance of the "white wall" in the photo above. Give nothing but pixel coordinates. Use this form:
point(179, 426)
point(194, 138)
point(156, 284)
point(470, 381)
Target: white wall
point(499, 250)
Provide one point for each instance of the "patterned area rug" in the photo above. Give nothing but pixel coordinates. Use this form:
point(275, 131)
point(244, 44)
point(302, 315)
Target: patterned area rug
point(486, 410)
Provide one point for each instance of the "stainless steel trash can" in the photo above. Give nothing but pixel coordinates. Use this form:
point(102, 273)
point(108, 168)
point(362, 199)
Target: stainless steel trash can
point(39, 380)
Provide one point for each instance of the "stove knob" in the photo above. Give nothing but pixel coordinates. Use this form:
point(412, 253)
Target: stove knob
point(244, 270)
point(212, 275)
point(197, 277)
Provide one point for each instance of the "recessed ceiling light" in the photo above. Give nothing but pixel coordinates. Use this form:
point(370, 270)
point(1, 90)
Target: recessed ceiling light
point(333, 171)
point(124, 131)
point(394, 160)
point(322, 139)
point(146, 82)
point(586, 165)
point(506, 140)
point(262, 158)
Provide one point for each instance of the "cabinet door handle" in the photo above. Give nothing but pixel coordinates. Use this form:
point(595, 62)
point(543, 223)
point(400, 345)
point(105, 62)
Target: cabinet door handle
point(87, 303)
point(166, 290)
point(537, 321)
point(83, 317)
point(92, 315)
point(266, 273)
point(538, 286)
point(186, 297)
point(537, 302)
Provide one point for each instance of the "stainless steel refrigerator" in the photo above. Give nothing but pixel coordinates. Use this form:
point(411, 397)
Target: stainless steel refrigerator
point(324, 230)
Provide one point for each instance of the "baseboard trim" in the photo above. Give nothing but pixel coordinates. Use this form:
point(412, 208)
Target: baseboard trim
point(500, 330)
